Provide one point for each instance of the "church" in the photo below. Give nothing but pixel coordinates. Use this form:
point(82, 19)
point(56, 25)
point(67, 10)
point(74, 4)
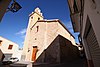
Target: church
point(48, 40)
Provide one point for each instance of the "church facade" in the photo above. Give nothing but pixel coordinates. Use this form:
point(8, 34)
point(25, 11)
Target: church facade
point(45, 39)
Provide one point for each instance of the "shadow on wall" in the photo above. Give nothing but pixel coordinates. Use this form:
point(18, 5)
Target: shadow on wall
point(59, 51)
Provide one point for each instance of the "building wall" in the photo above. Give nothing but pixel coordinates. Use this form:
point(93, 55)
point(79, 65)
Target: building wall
point(33, 17)
point(18, 54)
point(62, 31)
point(52, 52)
point(89, 31)
point(94, 14)
point(68, 51)
point(59, 51)
point(52, 32)
point(1, 55)
point(47, 32)
point(41, 33)
point(3, 6)
point(91, 10)
point(4, 47)
point(37, 39)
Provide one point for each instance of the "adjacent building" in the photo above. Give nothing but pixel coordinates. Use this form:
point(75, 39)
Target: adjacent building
point(1, 55)
point(85, 16)
point(44, 38)
point(3, 7)
point(9, 49)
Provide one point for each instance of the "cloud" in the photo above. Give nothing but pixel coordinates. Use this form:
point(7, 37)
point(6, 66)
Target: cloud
point(22, 33)
point(23, 42)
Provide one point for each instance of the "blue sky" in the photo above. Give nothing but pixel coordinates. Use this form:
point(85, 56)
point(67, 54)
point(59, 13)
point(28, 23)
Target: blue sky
point(13, 25)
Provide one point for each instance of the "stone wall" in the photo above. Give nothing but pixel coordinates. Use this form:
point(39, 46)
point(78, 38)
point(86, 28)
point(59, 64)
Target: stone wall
point(60, 50)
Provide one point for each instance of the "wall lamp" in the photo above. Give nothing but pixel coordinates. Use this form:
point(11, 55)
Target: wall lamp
point(14, 7)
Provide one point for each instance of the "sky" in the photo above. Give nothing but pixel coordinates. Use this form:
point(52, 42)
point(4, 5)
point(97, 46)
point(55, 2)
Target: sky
point(13, 25)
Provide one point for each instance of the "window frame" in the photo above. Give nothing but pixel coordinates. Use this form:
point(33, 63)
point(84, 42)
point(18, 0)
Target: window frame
point(10, 46)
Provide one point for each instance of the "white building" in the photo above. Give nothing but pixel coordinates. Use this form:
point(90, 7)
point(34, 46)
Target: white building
point(9, 49)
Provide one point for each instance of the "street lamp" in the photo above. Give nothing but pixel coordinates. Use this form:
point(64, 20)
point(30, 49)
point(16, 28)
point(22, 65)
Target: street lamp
point(14, 7)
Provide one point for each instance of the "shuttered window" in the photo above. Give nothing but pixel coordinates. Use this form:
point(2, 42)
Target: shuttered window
point(93, 47)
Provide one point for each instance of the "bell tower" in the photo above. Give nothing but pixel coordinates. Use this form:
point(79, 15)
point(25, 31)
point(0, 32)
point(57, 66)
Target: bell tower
point(35, 16)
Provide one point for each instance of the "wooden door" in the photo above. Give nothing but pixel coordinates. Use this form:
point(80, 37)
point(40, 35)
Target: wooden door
point(34, 53)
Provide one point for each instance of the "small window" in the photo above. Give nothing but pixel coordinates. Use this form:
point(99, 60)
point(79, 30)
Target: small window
point(28, 50)
point(38, 18)
point(35, 39)
point(37, 28)
point(31, 17)
point(0, 42)
point(10, 46)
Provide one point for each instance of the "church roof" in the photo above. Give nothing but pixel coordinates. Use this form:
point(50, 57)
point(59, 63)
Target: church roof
point(56, 20)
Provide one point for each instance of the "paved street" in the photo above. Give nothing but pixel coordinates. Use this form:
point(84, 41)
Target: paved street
point(75, 63)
